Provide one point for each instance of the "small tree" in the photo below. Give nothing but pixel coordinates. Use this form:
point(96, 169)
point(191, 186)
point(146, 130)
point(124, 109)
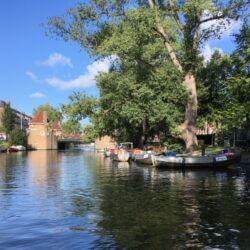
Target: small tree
point(8, 120)
point(18, 137)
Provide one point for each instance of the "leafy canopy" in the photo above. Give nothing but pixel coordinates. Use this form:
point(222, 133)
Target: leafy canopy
point(52, 113)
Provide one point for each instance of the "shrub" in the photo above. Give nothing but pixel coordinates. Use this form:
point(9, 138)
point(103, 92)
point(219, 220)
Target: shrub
point(18, 137)
point(174, 144)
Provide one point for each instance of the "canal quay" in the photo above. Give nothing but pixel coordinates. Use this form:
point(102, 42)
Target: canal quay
point(81, 200)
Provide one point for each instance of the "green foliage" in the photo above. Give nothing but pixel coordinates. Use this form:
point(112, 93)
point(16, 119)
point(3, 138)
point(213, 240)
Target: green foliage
point(1, 129)
point(53, 114)
point(224, 88)
point(8, 119)
point(18, 137)
point(92, 23)
point(71, 127)
point(89, 134)
point(80, 106)
point(4, 145)
point(238, 112)
point(153, 45)
point(142, 94)
point(173, 144)
point(212, 88)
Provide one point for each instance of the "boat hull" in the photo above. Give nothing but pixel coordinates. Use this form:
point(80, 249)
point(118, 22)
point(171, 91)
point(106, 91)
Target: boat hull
point(121, 157)
point(196, 161)
point(143, 159)
point(107, 153)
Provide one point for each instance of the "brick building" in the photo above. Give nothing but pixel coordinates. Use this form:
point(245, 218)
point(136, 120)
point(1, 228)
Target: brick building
point(104, 142)
point(41, 134)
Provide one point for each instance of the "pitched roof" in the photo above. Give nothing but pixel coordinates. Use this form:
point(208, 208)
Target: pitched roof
point(38, 118)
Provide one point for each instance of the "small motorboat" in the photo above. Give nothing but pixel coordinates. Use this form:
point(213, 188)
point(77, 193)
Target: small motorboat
point(121, 155)
point(12, 150)
point(107, 152)
point(18, 148)
point(144, 158)
point(189, 161)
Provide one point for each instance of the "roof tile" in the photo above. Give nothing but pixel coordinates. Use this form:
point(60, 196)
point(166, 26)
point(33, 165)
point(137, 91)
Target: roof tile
point(38, 118)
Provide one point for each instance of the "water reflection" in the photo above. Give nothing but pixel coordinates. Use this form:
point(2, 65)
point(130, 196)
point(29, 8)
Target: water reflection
point(44, 171)
point(82, 200)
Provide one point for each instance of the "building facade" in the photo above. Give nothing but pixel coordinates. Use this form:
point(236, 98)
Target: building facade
point(21, 119)
point(41, 134)
point(104, 142)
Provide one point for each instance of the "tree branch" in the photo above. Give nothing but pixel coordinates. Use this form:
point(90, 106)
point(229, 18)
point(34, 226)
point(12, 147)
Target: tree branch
point(226, 11)
point(175, 14)
point(213, 18)
point(161, 31)
point(196, 32)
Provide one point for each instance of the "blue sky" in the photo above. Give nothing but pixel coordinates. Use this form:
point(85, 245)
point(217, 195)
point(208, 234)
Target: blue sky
point(36, 69)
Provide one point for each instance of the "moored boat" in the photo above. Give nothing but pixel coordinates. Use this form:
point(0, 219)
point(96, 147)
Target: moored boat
point(12, 150)
point(143, 158)
point(120, 155)
point(18, 148)
point(107, 152)
point(186, 161)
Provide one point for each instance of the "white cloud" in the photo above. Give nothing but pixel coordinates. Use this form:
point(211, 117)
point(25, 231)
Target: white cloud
point(37, 95)
point(32, 76)
point(83, 81)
point(231, 26)
point(57, 59)
point(208, 51)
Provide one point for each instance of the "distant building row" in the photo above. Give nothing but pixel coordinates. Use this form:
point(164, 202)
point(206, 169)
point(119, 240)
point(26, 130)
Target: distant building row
point(21, 119)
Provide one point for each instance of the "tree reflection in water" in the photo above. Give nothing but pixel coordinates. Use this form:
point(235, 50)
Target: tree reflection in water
point(78, 199)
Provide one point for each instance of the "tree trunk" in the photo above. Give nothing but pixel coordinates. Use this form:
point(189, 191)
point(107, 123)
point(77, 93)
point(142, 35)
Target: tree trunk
point(188, 128)
point(144, 134)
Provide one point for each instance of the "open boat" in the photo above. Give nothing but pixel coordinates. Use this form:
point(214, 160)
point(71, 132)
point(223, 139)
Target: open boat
point(107, 152)
point(123, 153)
point(186, 161)
point(144, 158)
point(120, 155)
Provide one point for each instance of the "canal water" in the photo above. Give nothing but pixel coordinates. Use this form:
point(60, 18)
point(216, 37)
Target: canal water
point(81, 200)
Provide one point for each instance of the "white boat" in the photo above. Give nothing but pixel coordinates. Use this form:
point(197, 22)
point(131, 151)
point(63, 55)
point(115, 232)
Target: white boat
point(120, 155)
point(143, 157)
point(186, 161)
point(18, 148)
point(107, 153)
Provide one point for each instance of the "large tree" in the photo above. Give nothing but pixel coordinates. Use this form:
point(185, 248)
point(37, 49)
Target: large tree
point(91, 24)
point(138, 100)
